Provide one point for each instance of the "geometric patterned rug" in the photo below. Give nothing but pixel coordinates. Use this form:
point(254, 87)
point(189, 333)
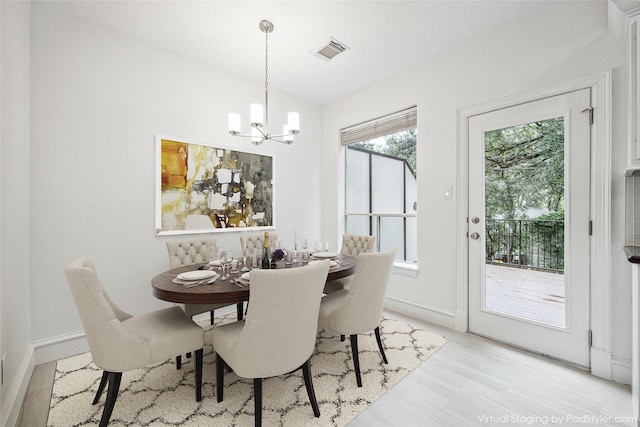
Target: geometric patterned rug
point(162, 396)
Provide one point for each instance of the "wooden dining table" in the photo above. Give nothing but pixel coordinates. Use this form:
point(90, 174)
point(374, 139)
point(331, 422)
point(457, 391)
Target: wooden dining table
point(228, 291)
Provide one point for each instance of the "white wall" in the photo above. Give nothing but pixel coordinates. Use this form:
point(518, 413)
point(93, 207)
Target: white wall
point(15, 266)
point(533, 55)
point(98, 99)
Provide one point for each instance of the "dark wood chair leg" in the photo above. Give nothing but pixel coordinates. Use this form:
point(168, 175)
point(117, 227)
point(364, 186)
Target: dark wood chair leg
point(308, 382)
point(257, 398)
point(198, 373)
point(103, 383)
point(356, 360)
point(219, 377)
point(212, 317)
point(240, 310)
point(112, 395)
point(342, 337)
point(178, 362)
point(189, 355)
point(384, 357)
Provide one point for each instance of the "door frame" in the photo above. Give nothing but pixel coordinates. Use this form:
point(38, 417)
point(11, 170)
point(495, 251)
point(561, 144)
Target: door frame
point(600, 209)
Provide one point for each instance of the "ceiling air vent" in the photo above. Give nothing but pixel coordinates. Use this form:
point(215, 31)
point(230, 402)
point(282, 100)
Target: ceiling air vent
point(329, 49)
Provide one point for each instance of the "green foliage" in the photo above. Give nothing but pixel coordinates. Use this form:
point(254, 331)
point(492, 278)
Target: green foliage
point(524, 168)
point(401, 145)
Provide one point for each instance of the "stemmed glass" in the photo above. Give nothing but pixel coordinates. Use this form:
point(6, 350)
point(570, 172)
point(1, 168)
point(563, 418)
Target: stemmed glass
point(224, 264)
point(305, 255)
point(213, 254)
point(326, 246)
point(317, 246)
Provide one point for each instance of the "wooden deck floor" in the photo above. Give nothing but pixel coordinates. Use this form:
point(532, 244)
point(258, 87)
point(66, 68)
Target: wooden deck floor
point(535, 295)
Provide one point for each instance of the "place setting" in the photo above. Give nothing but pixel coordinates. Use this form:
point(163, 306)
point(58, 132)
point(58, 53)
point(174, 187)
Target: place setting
point(196, 277)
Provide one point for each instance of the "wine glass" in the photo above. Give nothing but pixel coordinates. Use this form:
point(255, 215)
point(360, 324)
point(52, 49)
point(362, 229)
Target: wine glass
point(213, 254)
point(224, 263)
point(326, 246)
point(303, 245)
point(317, 246)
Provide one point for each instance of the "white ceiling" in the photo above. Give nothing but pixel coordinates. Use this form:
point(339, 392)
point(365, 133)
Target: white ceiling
point(385, 37)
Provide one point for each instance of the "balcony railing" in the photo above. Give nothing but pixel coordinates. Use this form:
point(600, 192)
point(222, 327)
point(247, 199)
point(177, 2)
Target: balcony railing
point(526, 243)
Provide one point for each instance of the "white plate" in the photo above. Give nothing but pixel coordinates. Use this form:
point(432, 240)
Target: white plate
point(196, 275)
point(245, 276)
point(322, 255)
point(331, 263)
point(215, 263)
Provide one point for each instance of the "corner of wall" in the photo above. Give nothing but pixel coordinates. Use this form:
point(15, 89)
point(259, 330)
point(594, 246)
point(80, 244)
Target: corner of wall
point(14, 397)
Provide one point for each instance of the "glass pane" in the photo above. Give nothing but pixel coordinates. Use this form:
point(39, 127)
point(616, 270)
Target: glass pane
point(357, 181)
point(524, 225)
point(381, 180)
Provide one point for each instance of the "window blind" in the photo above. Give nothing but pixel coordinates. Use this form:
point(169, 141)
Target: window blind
point(382, 126)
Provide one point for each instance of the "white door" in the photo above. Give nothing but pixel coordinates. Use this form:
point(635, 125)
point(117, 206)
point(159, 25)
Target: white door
point(529, 228)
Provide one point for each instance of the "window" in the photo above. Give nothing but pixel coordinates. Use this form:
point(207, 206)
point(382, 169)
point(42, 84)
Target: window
point(380, 182)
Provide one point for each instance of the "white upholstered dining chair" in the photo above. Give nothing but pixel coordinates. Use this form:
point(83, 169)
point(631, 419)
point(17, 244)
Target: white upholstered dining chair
point(256, 241)
point(120, 342)
point(278, 335)
point(195, 251)
point(352, 245)
point(355, 244)
point(358, 309)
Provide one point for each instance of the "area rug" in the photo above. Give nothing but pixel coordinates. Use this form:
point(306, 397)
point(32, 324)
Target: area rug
point(161, 395)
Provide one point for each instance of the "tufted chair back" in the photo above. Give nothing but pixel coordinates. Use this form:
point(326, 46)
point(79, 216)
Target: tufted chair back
point(353, 244)
point(256, 241)
point(187, 252)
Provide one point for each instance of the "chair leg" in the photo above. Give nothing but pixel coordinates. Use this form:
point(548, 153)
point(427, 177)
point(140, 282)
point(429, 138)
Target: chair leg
point(308, 382)
point(112, 395)
point(212, 317)
point(219, 377)
point(103, 383)
point(240, 310)
point(356, 360)
point(384, 357)
point(257, 398)
point(178, 362)
point(198, 374)
point(342, 337)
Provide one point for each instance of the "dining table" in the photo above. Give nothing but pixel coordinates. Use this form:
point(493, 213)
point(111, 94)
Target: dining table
point(234, 289)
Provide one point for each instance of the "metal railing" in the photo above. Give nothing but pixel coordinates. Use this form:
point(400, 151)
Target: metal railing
point(406, 243)
point(526, 243)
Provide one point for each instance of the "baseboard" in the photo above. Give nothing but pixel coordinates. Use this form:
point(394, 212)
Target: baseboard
point(59, 347)
point(601, 364)
point(621, 370)
point(15, 394)
point(439, 317)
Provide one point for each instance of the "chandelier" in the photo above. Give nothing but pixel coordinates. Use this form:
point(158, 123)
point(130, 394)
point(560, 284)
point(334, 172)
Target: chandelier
point(259, 117)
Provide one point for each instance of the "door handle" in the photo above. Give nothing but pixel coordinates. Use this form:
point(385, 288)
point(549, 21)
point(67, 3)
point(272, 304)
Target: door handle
point(474, 235)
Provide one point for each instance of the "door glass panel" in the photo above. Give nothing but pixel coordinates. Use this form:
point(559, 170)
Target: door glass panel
point(525, 222)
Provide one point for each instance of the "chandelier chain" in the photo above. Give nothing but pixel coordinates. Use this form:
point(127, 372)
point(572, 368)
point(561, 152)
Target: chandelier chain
point(266, 79)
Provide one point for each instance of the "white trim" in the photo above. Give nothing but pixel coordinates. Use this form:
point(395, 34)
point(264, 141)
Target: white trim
point(438, 317)
point(600, 213)
point(16, 391)
point(620, 369)
point(59, 347)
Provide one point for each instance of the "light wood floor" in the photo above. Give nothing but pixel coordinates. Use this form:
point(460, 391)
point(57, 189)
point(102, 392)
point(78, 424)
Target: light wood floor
point(471, 381)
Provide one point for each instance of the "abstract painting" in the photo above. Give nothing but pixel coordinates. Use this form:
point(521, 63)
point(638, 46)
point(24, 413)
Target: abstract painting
point(201, 188)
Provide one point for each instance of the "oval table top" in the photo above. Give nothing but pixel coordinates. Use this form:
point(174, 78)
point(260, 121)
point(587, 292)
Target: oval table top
point(227, 291)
